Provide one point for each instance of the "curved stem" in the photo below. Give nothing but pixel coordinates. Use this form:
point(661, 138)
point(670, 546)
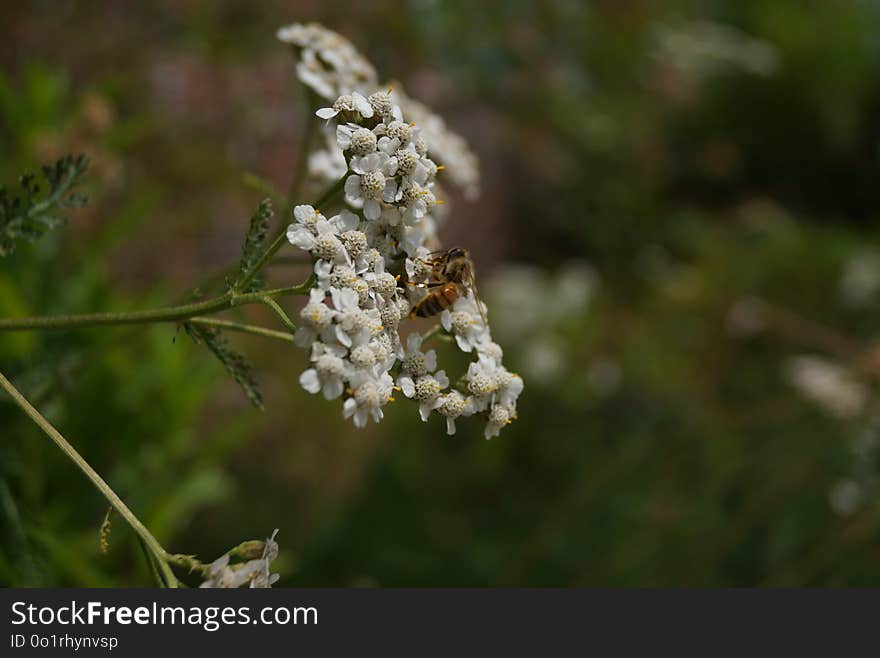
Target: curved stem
point(282, 315)
point(281, 238)
point(149, 541)
point(243, 328)
point(308, 135)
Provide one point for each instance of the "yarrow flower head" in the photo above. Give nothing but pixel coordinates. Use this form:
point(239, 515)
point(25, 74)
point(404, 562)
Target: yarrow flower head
point(376, 260)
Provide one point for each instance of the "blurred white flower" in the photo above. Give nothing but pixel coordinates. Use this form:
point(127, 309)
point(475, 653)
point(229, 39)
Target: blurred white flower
point(828, 384)
point(702, 48)
point(860, 282)
point(328, 63)
point(845, 497)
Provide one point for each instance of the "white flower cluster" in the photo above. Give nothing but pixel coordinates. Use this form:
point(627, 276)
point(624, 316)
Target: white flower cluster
point(351, 324)
point(328, 63)
point(254, 573)
point(332, 67)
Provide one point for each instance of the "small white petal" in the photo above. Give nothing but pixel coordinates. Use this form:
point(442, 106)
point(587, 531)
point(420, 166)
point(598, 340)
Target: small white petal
point(362, 105)
point(333, 388)
point(347, 221)
point(353, 190)
point(389, 192)
point(326, 113)
point(343, 137)
point(304, 336)
point(413, 342)
point(372, 210)
point(406, 385)
point(446, 320)
point(343, 337)
point(302, 239)
point(431, 360)
point(303, 213)
point(370, 162)
point(309, 380)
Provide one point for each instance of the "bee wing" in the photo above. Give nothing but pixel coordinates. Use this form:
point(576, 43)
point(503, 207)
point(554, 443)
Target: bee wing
point(439, 257)
point(479, 303)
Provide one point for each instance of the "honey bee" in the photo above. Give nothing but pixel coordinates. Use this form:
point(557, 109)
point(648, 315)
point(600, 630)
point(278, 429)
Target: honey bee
point(452, 275)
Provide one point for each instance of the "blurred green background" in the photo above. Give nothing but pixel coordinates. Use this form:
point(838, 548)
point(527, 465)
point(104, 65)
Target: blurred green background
point(677, 239)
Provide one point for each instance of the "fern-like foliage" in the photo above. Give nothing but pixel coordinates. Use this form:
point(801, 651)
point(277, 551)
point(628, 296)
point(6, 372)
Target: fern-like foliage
point(253, 246)
point(236, 364)
point(29, 213)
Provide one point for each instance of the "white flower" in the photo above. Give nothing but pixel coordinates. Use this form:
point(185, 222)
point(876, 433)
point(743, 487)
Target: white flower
point(380, 281)
point(415, 362)
point(417, 267)
point(426, 389)
point(307, 217)
point(329, 371)
point(371, 390)
point(464, 322)
point(353, 321)
point(384, 107)
point(348, 105)
point(360, 141)
point(416, 200)
point(317, 320)
point(323, 242)
point(499, 417)
point(482, 380)
point(510, 386)
point(373, 182)
point(452, 405)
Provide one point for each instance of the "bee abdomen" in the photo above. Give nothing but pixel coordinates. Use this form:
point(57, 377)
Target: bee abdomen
point(437, 301)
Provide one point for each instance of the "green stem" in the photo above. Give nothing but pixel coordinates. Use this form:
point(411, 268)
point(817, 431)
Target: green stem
point(125, 317)
point(183, 311)
point(436, 331)
point(169, 313)
point(282, 315)
point(243, 328)
point(153, 563)
point(151, 543)
point(281, 238)
point(309, 131)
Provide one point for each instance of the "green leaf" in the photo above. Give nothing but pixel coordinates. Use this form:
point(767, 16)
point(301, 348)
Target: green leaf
point(30, 213)
point(253, 245)
point(236, 364)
